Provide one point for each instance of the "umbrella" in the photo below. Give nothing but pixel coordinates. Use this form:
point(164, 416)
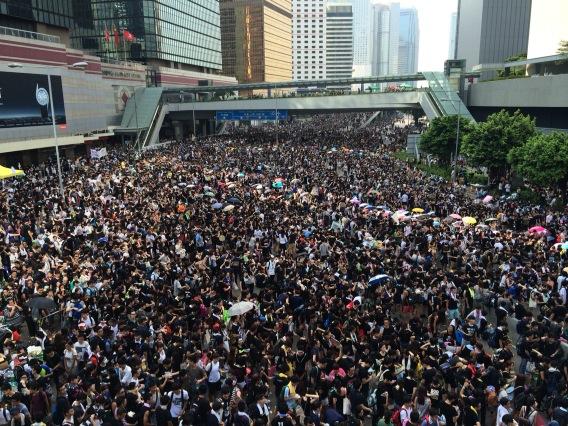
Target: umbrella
point(207, 188)
point(417, 210)
point(259, 186)
point(537, 229)
point(234, 200)
point(355, 200)
point(277, 184)
point(231, 185)
point(468, 220)
point(491, 219)
point(40, 303)
point(378, 279)
point(209, 194)
point(228, 208)
point(217, 206)
point(240, 308)
point(455, 216)
point(363, 205)
point(279, 179)
point(487, 199)
point(241, 174)
point(481, 226)
point(564, 246)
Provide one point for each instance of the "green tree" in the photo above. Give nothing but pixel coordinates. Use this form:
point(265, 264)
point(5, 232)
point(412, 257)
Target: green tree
point(543, 160)
point(440, 137)
point(489, 142)
point(563, 47)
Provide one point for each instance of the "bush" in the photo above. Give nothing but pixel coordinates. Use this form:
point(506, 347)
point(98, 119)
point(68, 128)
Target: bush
point(529, 196)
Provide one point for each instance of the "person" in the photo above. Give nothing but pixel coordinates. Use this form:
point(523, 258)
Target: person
point(179, 399)
point(282, 418)
point(163, 414)
point(502, 410)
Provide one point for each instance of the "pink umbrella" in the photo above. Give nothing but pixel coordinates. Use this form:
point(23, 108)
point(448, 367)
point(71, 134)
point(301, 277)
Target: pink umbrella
point(355, 200)
point(456, 216)
point(487, 199)
point(537, 230)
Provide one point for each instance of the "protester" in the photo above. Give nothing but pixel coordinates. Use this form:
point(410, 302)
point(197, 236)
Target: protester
point(286, 274)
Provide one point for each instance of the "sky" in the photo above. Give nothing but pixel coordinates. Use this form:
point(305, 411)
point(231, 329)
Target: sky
point(434, 21)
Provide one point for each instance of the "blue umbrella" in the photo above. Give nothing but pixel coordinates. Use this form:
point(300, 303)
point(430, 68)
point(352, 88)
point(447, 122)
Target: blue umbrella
point(378, 279)
point(234, 200)
point(217, 206)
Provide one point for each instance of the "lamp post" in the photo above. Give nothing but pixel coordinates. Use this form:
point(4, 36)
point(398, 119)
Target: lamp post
point(276, 113)
point(77, 65)
point(455, 173)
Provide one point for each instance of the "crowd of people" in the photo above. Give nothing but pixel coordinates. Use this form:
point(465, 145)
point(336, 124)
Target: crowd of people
point(297, 274)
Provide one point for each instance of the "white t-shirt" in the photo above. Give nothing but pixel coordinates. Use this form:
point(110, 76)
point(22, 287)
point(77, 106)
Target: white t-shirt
point(178, 401)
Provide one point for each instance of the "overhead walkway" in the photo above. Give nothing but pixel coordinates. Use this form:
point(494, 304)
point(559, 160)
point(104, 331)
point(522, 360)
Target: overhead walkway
point(146, 110)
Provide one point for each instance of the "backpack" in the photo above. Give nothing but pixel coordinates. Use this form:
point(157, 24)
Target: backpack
point(395, 418)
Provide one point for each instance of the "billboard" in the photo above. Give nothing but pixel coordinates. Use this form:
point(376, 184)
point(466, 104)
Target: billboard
point(261, 115)
point(24, 100)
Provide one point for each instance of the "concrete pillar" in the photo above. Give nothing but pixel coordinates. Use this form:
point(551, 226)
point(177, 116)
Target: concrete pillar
point(178, 130)
point(203, 125)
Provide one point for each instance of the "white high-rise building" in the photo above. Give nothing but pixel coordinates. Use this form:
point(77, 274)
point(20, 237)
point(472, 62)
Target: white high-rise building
point(309, 39)
point(385, 26)
point(339, 40)
point(408, 41)
point(361, 38)
point(453, 29)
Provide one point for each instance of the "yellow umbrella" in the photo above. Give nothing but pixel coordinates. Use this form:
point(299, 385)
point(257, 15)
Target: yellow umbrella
point(6, 173)
point(468, 220)
point(417, 210)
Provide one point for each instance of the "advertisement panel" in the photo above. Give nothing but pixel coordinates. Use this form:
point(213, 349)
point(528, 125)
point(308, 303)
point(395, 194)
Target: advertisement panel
point(24, 100)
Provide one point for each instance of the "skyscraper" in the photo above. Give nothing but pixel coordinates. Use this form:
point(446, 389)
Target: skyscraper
point(339, 40)
point(361, 37)
point(453, 29)
point(490, 31)
point(385, 36)
point(256, 39)
point(182, 34)
point(308, 39)
point(408, 41)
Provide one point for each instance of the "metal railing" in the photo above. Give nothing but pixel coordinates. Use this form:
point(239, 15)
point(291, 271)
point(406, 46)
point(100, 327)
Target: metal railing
point(14, 32)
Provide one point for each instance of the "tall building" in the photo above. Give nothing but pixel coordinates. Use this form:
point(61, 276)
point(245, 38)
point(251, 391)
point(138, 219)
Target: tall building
point(339, 41)
point(453, 29)
point(256, 38)
point(361, 37)
point(548, 27)
point(183, 34)
point(408, 41)
point(308, 39)
point(53, 17)
point(490, 31)
point(385, 38)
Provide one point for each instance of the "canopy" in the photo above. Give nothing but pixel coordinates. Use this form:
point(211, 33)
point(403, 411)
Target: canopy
point(6, 172)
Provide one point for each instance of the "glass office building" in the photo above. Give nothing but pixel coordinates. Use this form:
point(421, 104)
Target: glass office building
point(182, 34)
point(32, 15)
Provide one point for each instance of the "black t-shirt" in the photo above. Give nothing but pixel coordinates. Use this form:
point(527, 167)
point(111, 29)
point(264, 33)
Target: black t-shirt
point(471, 417)
point(281, 421)
point(163, 416)
point(449, 412)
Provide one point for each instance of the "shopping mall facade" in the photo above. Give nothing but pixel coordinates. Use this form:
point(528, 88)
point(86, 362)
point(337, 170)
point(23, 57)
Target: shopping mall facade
point(96, 56)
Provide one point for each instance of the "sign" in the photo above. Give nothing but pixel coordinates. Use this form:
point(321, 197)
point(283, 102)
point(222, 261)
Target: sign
point(260, 115)
point(25, 100)
point(98, 153)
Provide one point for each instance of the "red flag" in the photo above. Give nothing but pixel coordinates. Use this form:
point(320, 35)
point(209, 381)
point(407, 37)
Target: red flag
point(107, 36)
point(116, 38)
point(128, 36)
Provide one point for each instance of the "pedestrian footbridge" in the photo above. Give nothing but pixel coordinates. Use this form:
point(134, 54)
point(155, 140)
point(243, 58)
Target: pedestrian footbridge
point(146, 110)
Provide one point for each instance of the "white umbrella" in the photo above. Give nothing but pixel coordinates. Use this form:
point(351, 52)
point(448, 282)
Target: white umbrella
point(228, 208)
point(240, 308)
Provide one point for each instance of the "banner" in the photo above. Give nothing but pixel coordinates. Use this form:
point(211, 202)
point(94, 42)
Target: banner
point(97, 153)
point(25, 100)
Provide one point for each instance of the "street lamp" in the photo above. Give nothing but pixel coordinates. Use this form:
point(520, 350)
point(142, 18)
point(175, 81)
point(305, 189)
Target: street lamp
point(455, 174)
point(276, 112)
point(77, 65)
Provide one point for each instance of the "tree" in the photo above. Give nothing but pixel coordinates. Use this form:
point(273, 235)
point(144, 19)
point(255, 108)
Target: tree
point(489, 142)
point(563, 48)
point(440, 137)
point(543, 160)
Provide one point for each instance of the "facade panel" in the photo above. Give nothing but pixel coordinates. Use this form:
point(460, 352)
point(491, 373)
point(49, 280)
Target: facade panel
point(182, 33)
